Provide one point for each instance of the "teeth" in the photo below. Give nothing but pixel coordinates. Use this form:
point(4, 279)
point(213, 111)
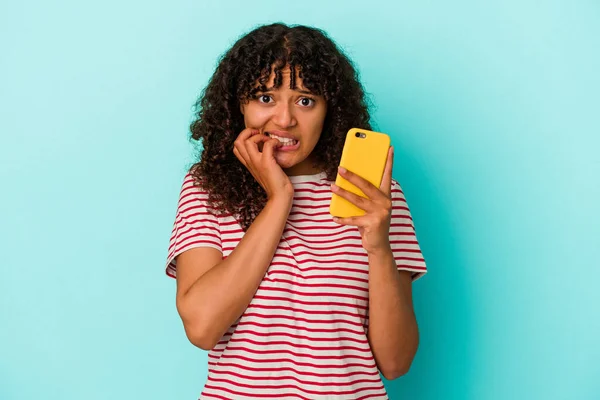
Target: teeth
point(284, 140)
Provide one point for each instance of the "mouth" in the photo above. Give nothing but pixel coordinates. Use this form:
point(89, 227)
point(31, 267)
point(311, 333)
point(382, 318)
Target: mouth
point(288, 143)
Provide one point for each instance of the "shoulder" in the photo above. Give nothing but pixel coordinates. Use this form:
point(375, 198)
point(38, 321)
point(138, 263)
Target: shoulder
point(192, 187)
point(191, 182)
point(193, 194)
point(396, 190)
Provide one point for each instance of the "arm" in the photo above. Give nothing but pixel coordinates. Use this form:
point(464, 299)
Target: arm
point(213, 293)
point(393, 333)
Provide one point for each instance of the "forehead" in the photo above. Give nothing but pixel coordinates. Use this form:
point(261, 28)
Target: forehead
point(280, 78)
point(286, 79)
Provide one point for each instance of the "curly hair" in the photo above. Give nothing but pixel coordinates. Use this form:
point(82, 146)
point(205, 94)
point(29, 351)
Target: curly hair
point(241, 73)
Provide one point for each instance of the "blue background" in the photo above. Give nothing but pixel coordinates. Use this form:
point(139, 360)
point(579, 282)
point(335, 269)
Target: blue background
point(493, 110)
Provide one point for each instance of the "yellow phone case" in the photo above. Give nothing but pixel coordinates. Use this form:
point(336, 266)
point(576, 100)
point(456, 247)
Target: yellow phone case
point(365, 156)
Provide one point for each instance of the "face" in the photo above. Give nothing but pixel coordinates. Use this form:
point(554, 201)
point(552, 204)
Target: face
point(294, 116)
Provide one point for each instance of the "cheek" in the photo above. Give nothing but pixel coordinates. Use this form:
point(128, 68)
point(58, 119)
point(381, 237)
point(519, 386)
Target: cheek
point(256, 116)
point(315, 125)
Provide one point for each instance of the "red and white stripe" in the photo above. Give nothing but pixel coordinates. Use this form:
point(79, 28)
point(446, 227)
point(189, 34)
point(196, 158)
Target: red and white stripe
point(303, 335)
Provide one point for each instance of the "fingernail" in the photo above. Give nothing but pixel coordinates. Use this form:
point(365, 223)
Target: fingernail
point(342, 169)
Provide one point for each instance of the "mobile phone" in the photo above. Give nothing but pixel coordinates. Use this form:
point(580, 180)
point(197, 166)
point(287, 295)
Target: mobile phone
point(365, 153)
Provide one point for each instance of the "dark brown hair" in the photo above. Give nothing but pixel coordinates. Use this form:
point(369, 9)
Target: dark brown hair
point(242, 72)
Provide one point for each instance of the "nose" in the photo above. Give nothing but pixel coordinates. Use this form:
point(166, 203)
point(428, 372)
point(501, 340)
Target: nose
point(284, 115)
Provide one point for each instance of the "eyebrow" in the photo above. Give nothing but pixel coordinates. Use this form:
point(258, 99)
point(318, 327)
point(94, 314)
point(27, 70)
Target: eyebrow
point(271, 89)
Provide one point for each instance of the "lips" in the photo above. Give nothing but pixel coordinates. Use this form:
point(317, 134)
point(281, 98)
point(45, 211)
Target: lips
point(288, 147)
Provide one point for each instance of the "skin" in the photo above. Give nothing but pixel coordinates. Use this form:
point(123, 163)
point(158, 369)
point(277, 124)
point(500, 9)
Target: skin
point(212, 293)
point(298, 112)
point(393, 331)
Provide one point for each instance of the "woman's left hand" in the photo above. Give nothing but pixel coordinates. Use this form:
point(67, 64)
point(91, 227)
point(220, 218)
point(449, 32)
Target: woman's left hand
point(374, 226)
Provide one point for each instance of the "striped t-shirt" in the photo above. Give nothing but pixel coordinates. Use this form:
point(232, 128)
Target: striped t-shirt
point(304, 334)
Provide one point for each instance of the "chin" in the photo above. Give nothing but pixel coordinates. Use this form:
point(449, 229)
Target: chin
point(284, 161)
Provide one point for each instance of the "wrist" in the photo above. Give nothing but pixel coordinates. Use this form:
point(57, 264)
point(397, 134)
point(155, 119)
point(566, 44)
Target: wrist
point(381, 252)
point(281, 201)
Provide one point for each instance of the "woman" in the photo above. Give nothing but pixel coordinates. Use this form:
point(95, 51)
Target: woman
point(290, 303)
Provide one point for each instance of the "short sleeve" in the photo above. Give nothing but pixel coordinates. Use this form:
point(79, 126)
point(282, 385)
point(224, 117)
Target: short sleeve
point(196, 224)
point(403, 238)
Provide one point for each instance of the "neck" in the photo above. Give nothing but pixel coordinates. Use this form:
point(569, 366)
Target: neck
point(304, 168)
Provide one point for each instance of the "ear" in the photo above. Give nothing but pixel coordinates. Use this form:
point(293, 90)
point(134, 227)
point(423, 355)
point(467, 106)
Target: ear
point(242, 107)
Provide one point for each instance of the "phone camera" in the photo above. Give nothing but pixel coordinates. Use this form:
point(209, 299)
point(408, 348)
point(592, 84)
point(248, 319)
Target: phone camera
point(360, 135)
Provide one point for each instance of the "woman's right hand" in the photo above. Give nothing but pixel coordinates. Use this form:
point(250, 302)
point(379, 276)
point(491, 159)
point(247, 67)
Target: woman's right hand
point(263, 166)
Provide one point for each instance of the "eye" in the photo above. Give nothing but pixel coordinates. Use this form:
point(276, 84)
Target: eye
point(264, 98)
point(306, 102)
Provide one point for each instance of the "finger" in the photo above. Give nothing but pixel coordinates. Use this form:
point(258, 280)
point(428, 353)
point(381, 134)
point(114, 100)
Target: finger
point(239, 156)
point(251, 146)
point(269, 149)
point(351, 221)
point(359, 201)
point(241, 139)
point(257, 141)
point(241, 150)
point(259, 138)
point(364, 185)
point(248, 132)
point(386, 181)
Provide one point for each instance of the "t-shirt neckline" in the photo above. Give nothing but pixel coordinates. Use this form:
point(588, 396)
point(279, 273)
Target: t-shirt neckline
point(308, 178)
